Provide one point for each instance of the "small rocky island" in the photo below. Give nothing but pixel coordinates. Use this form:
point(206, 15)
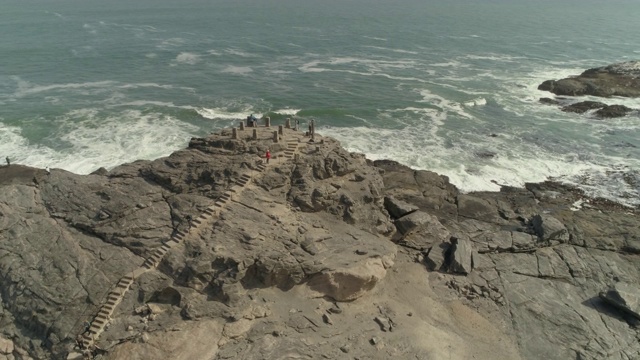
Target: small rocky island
point(621, 80)
point(212, 253)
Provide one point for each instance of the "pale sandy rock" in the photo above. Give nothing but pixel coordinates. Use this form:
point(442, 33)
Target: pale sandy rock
point(196, 340)
point(6, 346)
point(237, 328)
point(350, 283)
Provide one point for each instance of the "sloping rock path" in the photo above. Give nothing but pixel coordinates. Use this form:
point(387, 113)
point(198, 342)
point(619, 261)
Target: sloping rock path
point(90, 336)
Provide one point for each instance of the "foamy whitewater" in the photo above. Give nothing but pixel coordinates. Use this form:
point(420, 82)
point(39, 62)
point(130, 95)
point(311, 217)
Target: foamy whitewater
point(444, 86)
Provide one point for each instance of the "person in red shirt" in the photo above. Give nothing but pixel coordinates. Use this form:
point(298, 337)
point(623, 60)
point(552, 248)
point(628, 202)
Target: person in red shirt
point(268, 156)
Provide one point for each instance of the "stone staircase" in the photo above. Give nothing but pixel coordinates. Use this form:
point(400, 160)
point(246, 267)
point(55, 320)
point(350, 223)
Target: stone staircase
point(116, 295)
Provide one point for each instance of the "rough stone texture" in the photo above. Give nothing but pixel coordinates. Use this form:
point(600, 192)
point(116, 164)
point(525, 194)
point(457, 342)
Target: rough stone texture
point(398, 208)
point(583, 106)
point(305, 239)
point(549, 228)
point(613, 111)
point(625, 297)
point(621, 79)
point(460, 256)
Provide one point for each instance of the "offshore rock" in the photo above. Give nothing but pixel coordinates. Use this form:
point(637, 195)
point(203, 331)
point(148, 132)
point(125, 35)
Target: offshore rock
point(584, 106)
point(622, 79)
point(613, 111)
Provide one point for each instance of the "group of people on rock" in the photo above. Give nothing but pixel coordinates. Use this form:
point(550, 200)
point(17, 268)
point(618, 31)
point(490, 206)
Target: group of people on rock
point(252, 121)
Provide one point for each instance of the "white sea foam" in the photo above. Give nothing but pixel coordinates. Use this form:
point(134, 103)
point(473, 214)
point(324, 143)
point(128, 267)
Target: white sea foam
point(124, 137)
point(375, 38)
point(171, 42)
point(237, 70)
point(187, 58)
point(442, 103)
point(236, 52)
point(26, 88)
point(476, 102)
point(470, 173)
point(226, 114)
point(392, 50)
point(452, 63)
point(290, 112)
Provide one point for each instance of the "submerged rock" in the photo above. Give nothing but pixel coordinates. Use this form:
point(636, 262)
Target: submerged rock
point(583, 106)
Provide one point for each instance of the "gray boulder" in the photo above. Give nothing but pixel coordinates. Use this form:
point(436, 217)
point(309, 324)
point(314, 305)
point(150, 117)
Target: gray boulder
point(621, 79)
point(398, 208)
point(625, 297)
point(549, 228)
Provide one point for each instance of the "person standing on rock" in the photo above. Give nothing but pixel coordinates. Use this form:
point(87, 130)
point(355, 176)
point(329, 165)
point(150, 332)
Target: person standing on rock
point(268, 155)
point(8, 161)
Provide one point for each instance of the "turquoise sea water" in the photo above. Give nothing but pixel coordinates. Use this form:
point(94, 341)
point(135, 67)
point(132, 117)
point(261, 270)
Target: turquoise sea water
point(432, 84)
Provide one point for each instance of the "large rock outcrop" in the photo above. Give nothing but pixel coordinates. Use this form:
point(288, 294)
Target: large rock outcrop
point(622, 79)
point(321, 254)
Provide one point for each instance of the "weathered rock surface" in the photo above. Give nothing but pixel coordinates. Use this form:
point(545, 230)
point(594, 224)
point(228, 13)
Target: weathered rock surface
point(541, 265)
point(583, 106)
point(613, 111)
point(304, 261)
point(621, 79)
point(625, 297)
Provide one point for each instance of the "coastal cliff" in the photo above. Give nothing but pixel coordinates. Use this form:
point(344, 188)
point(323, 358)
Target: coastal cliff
point(212, 253)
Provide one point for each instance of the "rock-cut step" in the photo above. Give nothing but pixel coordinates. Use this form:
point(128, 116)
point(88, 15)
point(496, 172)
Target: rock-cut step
point(244, 179)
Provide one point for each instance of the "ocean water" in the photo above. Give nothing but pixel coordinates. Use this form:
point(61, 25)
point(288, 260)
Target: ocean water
point(447, 86)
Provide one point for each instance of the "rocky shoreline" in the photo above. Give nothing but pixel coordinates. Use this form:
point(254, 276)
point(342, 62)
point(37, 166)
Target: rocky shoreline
point(319, 254)
point(616, 80)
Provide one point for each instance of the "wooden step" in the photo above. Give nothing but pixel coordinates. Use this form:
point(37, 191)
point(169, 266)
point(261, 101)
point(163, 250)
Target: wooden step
point(95, 327)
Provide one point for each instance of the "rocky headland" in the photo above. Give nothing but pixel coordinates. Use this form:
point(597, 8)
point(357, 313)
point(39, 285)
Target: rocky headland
point(211, 253)
point(621, 80)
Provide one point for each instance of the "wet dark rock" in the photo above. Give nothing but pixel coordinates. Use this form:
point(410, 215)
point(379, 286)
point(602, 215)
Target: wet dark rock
point(486, 154)
point(613, 111)
point(549, 101)
point(621, 79)
point(583, 106)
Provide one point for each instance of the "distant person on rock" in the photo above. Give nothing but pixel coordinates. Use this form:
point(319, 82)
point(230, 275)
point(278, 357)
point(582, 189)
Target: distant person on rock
point(268, 156)
point(8, 161)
